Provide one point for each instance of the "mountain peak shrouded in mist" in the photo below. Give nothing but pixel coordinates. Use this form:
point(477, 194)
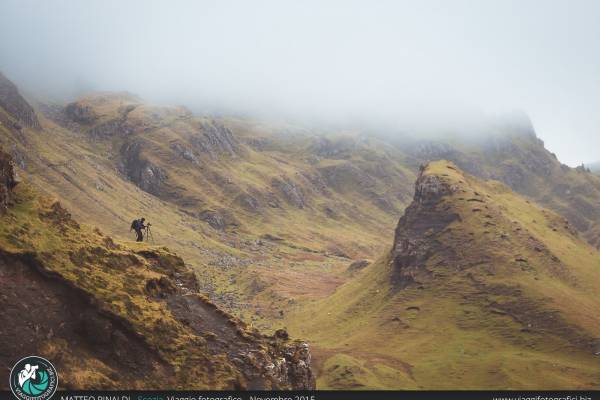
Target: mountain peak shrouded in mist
point(327, 62)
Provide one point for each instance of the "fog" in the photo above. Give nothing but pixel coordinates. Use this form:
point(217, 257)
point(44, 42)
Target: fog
point(338, 60)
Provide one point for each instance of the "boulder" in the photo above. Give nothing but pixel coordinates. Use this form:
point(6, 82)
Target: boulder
point(215, 139)
point(292, 193)
point(358, 266)
point(185, 152)
point(219, 219)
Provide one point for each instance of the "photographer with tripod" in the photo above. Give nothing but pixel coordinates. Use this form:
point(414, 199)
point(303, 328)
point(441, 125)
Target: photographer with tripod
point(138, 226)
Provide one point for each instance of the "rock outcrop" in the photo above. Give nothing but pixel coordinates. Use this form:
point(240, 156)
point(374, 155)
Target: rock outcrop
point(215, 139)
point(291, 192)
point(111, 128)
point(15, 105)
point(7, 180)
point(218, 219)
point(185, 152)
point(294, 368)
point(80, 113)
point(414, 241)
point(140, 171)
point(358, 265)
point(335, 149)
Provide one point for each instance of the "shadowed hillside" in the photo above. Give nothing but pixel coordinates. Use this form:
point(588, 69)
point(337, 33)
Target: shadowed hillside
point(481, 289)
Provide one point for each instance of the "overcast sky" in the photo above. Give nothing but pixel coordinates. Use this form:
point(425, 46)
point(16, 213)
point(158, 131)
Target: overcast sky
point(377, 60)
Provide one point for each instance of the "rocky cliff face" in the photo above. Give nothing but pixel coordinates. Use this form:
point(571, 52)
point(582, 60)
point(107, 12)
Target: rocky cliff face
point(414, 241)
point(215, 139)
point(139, 170)
point(7, 180)
point(15, 105)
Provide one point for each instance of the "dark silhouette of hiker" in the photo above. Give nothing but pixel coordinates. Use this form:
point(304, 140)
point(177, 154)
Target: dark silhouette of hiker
point(138, 226)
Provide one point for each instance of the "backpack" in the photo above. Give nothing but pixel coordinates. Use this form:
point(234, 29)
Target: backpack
point(135, 224)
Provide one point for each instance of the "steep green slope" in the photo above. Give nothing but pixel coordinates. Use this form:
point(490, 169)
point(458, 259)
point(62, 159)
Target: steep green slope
point(259, 222)
point(114, 315)
point(505, 149)
point(228, 180)
point(482, 289)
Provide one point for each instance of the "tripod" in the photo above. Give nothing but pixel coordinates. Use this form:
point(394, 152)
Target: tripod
point(149, 234)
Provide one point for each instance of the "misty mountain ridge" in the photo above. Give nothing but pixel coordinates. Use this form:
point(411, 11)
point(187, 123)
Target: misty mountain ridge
point(123, 118)
point(269, 217)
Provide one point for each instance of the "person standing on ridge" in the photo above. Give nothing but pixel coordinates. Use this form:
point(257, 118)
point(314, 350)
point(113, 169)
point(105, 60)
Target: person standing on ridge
point(138, 225)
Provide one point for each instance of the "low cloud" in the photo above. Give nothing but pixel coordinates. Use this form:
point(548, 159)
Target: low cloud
point(376, 62)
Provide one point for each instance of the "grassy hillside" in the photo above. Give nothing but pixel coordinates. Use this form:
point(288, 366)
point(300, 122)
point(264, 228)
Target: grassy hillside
point(263, 210)
point(121, 315)
point(270, 215)
point(259, 220)
point(499, 294)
